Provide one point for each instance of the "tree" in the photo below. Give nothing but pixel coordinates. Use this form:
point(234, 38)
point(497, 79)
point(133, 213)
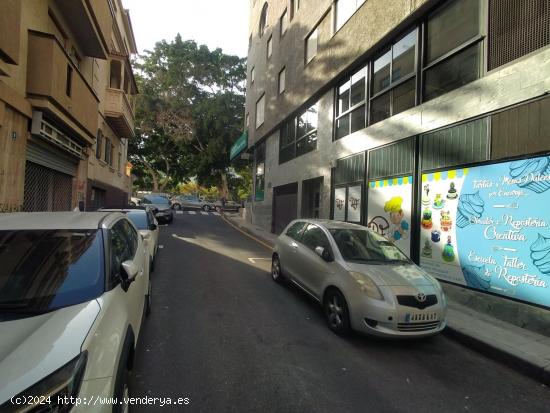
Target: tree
point(189, 112)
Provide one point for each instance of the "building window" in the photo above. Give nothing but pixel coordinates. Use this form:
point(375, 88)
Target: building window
point(115, 80)
point(69, 84)
point(311, 45)
point(351, 104)
point(345, 9)
point(269, 46)
point(294, 7)
point(111, 155)
point(298, 136)
point(98, 144)
point(107, 151)
point(394, 79)
point(252, 73)
point(282, 80)
point(284, 22)
point(260, 111)
point(119, 162)
point(263, 20)
point(259, 175)
point(453, 55)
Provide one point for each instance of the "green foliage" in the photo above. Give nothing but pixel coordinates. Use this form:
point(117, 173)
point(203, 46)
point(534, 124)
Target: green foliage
point(188, 115)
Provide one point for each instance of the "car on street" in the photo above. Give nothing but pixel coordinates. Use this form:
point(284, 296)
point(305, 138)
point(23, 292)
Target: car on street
point(74, 289)
point(161, 206)
point(229, 206)
point(191, 202)
point(363, 281)
point(147, 225)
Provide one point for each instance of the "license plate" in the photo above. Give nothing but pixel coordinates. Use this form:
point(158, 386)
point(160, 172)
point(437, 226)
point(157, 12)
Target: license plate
point(412, 318)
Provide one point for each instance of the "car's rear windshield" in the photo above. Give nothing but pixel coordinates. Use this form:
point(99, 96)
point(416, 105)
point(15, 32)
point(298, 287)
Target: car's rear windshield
point(44, 270)
point(138, 218)
point(366, 246)
point(156, 200)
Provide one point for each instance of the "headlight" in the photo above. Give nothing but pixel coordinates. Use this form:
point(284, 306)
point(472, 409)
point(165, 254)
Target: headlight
point(367, 285)
point(54, 392)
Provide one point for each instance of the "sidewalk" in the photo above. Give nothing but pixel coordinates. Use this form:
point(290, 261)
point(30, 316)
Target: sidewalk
point(520, 348)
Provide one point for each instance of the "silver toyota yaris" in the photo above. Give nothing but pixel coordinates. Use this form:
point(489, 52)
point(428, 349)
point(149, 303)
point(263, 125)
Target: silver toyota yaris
point(362, 280)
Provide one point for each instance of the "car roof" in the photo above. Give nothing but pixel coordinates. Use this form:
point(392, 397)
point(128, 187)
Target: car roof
point(332, 224)
point(55, 220)
point(143, 209)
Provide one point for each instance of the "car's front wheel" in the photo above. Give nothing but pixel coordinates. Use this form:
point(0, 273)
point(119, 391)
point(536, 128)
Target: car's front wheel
point(276, 273)
point(205, 208)
point(177, 207)
point(336, 312)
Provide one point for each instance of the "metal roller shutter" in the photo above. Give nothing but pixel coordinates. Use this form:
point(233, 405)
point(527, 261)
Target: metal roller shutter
point(51, 158)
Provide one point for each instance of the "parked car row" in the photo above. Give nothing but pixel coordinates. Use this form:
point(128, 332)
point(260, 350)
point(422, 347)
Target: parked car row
point(74, 289)
point(363, 281)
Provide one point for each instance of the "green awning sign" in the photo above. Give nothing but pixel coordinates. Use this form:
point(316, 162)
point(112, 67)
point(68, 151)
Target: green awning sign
point(239, 146)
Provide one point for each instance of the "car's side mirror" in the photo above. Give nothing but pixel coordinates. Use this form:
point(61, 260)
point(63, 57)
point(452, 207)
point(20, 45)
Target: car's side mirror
point(128, 273)
point(153, 227)
point(324, 254)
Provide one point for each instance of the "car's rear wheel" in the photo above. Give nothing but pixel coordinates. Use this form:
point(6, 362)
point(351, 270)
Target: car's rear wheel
point(122, 387)
point(177, 207)
point(336, 312)
point(276, 273)
point(205, 208)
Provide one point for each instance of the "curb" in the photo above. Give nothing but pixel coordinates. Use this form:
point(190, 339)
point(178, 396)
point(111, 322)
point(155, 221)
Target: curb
point(514, 361)
point(265, 242)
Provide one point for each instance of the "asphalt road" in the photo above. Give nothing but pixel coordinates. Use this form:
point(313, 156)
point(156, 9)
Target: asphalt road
point(224, 335)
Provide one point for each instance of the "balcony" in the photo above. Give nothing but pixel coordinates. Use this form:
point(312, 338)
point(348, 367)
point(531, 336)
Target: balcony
point(119, 113)
point(91, 24)
point(55, 85)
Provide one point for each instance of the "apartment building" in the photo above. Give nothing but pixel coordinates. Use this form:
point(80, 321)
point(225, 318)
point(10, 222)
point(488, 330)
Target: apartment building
point(425, 120)
point(66, 111)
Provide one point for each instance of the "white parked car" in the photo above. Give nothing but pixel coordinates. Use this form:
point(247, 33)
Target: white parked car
point(363, 281)
point(144, 220)
point(74, 288)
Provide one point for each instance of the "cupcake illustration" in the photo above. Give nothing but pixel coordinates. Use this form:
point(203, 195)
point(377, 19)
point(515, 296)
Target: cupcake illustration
point(527, 169)
point(540, 254)
point(475, 277)
point(469, 206)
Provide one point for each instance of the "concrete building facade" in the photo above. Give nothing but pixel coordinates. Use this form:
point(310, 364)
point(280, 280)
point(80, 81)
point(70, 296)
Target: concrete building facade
point(66, 109)
point(354, 103)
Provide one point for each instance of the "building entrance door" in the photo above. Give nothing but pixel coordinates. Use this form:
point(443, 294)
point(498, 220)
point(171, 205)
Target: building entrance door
point(285, 206)
point(311, 197)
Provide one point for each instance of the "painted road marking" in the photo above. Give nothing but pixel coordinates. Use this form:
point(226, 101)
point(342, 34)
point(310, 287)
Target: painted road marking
point(204, 213)
point(179, 212)
point(216, 213)
point(161, 246)
point(253, 260)
point(191, 212)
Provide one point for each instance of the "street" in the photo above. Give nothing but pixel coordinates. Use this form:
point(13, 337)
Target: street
point(223, 334)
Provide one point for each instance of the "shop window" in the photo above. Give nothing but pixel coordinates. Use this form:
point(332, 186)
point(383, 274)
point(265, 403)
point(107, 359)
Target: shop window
point(390, 189)
point(351, 104)
point(348, 178)
point(394, 79)
point(453, 47)
point(298, 136)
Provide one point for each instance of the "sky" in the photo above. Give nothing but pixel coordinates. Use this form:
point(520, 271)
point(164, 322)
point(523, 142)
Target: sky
point(216, 23)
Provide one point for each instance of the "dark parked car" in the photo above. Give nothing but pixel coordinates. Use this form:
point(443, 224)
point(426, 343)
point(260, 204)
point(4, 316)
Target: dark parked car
point(229, 206)
point(161, 207)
